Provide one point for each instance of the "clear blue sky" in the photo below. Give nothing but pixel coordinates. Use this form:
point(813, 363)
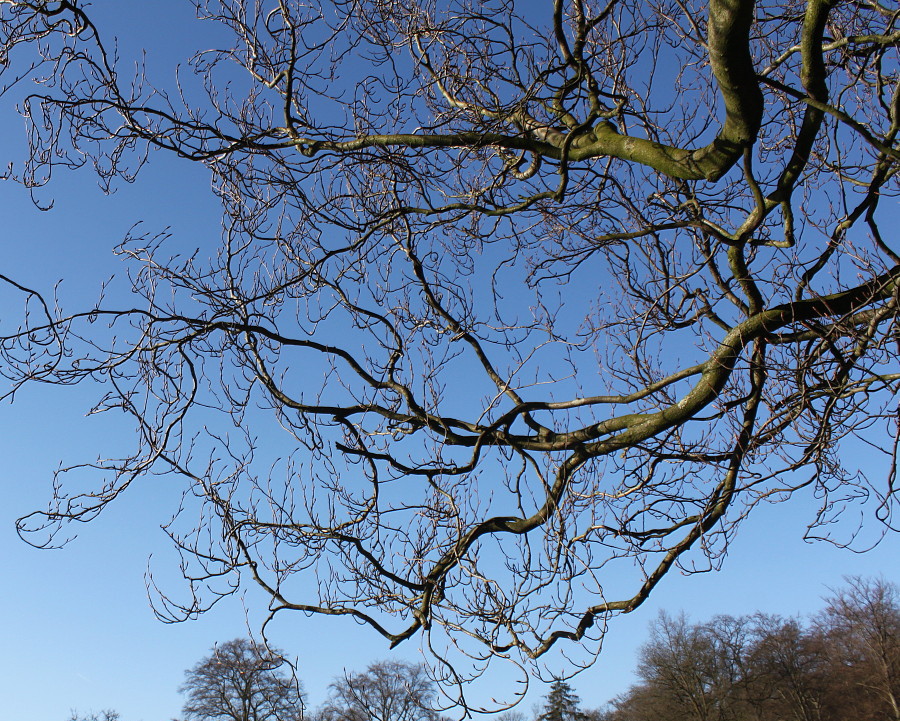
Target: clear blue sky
point(79, 632)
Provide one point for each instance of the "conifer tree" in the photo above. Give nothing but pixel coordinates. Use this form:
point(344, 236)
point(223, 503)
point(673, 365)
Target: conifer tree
point(562, 704)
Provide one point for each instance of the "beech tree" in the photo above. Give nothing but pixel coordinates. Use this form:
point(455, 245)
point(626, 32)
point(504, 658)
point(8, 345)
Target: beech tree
point(843, 664)
point(242, 680)
point(862, 624)
point(791, 673)
point(684, 665)
point(508, 296)
point(385, 691)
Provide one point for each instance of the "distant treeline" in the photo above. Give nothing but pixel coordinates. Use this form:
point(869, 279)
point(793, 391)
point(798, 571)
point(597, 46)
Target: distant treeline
point(843, 664)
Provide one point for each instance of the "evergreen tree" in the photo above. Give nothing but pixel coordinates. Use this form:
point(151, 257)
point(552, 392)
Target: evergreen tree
point(562, 704)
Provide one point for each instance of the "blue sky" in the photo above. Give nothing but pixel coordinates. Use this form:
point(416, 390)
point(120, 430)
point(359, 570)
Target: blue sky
point(80, 633)
point(79, 630)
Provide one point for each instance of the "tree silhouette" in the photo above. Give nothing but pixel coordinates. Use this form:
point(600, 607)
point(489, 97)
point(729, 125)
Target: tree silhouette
point(862, 625)
point(242, 680)
point(841, 665)
point(385, 691)
point(562, 704)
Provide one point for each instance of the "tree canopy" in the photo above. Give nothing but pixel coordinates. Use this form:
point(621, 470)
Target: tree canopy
point(385, 691)
point(242, 680)
point(508, 296)
point(843, 664)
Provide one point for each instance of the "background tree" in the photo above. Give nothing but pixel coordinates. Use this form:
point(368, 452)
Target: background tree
point(690, 669)
point(862, 625)
point(765, 668)
point(791, 675)
point(562, 704)
point(541, 299)
point(105, 715)
point(242, 680)
point(385, 691)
